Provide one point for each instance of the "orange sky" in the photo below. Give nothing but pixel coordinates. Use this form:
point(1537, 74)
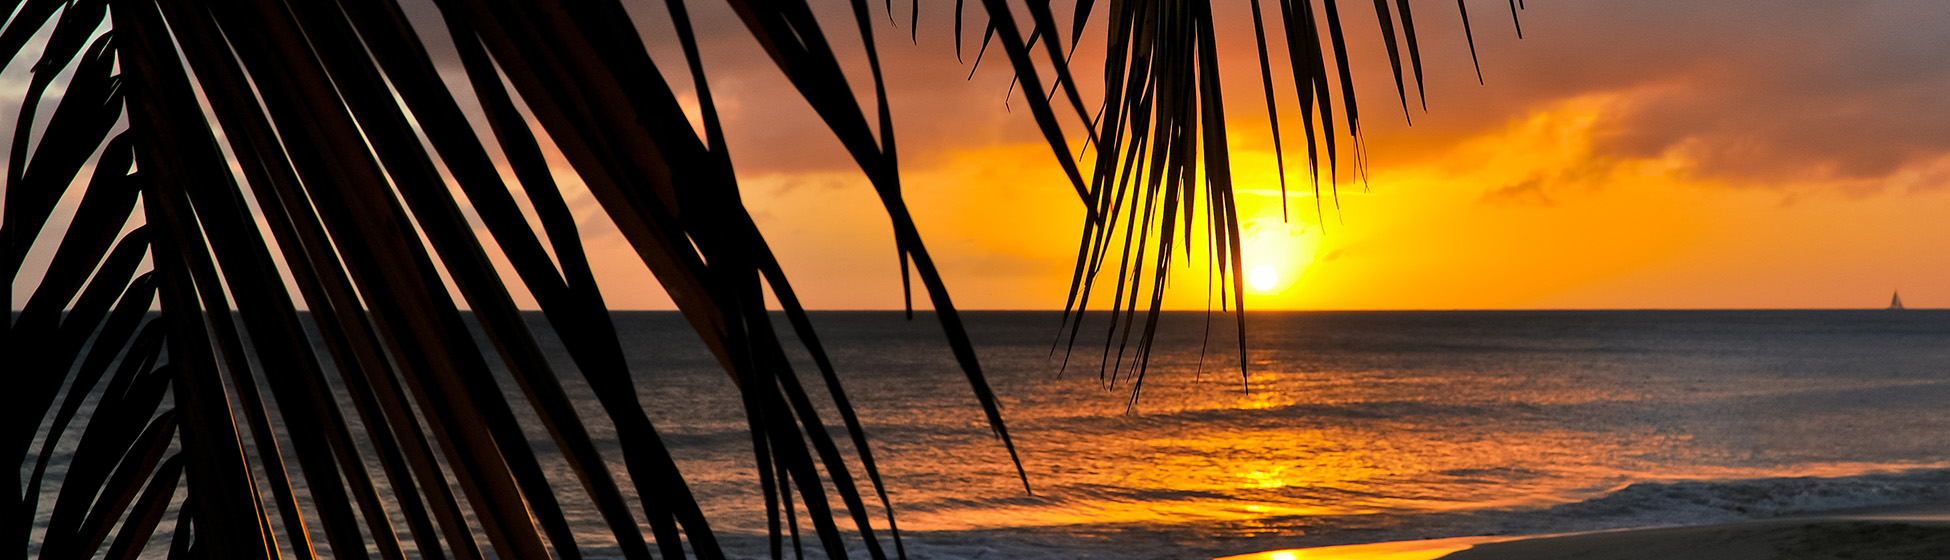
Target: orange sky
point(1650, 155)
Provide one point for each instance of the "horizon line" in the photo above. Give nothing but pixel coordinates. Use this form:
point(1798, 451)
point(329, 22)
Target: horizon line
point(1343, 310)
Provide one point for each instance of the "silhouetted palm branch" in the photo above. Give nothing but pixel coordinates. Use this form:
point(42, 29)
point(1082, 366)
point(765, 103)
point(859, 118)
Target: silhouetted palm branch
point(1163, 113)
point(194, 127)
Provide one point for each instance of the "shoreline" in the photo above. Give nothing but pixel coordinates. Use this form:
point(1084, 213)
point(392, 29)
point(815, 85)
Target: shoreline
point(1903, 532)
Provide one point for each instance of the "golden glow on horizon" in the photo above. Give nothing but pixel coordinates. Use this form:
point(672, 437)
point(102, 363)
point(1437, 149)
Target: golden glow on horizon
point(1526, 216)
point(1277, 252)
point(1551, 187)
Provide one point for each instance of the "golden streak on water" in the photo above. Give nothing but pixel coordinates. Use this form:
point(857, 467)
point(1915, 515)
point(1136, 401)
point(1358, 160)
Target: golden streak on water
point(1403, 550)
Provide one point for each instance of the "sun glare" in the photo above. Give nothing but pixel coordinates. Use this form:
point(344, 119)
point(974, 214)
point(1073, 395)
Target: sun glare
point(1277, 254)
point(1263, 278)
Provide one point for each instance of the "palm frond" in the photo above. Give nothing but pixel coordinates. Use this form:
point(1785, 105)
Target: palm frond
point(260, 172)
point(1161, 93)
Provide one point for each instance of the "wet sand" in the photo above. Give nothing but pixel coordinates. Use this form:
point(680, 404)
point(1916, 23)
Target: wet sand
point(1800, 539)
point(1893, 534)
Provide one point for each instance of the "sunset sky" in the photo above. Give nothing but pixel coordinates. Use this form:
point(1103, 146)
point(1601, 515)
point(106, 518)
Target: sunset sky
point(1646, 154)
point(1658, 154)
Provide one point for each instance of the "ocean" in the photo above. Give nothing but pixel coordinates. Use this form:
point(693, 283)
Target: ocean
point(1346, 427)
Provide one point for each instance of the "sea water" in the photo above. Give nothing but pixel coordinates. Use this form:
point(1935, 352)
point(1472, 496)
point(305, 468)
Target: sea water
point(1342, 427)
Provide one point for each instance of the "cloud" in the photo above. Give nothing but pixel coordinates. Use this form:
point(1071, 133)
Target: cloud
point(1763, 95)
point(1779, 95)
point(1618, 141)
point(1528, 192)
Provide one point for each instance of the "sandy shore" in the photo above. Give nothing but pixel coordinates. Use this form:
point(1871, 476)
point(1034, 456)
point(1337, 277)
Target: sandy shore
point(1783, 539)
point(1895, 534)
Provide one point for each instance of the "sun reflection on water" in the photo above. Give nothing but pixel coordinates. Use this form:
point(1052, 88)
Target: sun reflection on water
point(1405, 550)
point(1347, 427)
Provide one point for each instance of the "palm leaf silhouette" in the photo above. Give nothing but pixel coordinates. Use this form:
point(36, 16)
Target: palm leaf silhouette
point(194, 128)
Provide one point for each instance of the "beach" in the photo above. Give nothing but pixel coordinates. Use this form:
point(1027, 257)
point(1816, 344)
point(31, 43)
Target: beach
point(1894, 533)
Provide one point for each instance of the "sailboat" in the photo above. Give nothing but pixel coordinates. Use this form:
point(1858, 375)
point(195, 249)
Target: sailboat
point(1896, 301)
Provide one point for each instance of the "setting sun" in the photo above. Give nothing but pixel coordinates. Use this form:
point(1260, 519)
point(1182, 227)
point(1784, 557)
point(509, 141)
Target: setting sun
point(1263, 278)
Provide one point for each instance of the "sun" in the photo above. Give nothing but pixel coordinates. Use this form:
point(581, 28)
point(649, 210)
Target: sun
point(1263, 278)
point(1277, 255)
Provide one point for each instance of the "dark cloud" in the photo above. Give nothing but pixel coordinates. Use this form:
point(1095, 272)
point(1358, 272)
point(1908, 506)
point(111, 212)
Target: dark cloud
point(935, 105)
point(1756, 93)
point(1528, 192)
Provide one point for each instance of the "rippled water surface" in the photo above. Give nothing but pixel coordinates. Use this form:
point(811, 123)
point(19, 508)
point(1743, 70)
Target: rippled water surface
point(1350, 427)
point(1343, 428)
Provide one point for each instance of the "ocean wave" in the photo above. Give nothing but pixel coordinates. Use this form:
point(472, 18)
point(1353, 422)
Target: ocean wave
point(1643, 504)
point(1690, 502)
